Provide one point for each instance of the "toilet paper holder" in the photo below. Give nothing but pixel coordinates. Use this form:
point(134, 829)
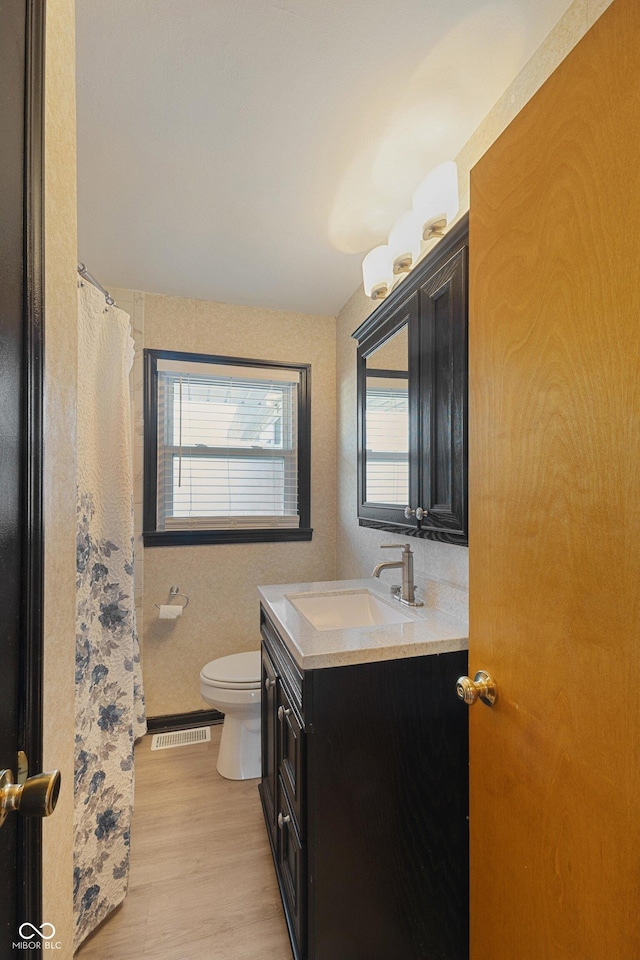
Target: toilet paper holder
point(175, 592)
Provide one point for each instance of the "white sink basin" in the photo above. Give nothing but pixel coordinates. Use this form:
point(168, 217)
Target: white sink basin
point(335, 611)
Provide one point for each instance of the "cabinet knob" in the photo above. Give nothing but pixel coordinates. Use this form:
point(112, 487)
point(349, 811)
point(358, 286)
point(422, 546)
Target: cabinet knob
point(283, 712)
point(418, 513)
point(269, 683)
point(282, 819)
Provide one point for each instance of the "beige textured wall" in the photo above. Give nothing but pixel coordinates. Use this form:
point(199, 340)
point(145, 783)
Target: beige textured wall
point(59, 462)
point(441, 570)
point(221, 580)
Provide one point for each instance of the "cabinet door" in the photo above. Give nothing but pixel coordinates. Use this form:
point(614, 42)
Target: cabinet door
point(290, 753)
point(269, 741)
point(443, 398)
point(387, 409)
point(292, 872)
point(412, 400)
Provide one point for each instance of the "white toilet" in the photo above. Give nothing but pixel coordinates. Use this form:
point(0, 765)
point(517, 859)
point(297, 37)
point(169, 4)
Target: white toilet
point(232, 685)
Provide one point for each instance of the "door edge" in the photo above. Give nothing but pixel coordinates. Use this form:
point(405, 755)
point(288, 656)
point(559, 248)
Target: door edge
point(29, 892)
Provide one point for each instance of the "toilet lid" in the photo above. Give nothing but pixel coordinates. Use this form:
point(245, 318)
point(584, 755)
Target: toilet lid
point(236, 668)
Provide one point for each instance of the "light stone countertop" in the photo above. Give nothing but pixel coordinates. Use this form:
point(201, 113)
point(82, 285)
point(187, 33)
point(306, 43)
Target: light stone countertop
point(428, 631)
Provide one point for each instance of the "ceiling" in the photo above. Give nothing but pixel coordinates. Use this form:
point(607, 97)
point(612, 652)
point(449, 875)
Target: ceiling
point(252, 151)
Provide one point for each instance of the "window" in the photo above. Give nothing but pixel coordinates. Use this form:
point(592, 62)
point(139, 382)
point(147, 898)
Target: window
point(387, 437)
point(226, 450)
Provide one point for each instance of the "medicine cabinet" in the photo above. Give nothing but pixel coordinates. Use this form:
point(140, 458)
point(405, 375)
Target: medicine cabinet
point(413, 398)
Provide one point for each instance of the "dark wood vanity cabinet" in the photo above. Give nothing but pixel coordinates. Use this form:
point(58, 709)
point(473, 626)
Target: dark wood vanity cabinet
point(365, 796)
point(283, 776)
point(412, 400)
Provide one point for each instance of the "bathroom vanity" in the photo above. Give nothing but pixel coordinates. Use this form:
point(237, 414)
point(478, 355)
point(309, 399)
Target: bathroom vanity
point(365, 772)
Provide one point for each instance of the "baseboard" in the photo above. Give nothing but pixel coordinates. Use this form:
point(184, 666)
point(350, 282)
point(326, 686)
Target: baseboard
point(183, 721)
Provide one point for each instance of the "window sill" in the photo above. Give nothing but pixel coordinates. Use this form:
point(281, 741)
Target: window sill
point(184, 538)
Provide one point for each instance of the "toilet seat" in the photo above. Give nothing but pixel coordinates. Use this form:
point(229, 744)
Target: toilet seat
point(239, 671)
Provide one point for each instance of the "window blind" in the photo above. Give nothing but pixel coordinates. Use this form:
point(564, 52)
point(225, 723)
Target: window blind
point(387, 441)
point(227, 446)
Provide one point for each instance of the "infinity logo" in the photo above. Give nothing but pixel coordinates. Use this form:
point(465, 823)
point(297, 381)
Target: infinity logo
point(37, 931)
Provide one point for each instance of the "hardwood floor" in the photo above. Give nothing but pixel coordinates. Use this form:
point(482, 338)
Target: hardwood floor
point(202, 882)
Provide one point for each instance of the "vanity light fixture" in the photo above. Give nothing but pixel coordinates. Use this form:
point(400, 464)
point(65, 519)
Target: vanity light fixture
point(377, 272)
point(435, 200)
point(435, 204)
point(404, 242)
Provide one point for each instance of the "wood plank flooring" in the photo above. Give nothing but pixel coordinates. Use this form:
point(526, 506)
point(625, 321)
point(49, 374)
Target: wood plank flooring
point(202, 883)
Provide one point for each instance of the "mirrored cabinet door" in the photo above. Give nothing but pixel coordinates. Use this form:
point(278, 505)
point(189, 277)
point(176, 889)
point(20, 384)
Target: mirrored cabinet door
point(386, 475)
point(387, 422)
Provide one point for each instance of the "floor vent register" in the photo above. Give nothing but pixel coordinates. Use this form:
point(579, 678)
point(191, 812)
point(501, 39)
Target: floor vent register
point(180, 738)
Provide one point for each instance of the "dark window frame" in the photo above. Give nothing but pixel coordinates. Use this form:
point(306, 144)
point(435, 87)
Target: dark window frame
point(152, 537)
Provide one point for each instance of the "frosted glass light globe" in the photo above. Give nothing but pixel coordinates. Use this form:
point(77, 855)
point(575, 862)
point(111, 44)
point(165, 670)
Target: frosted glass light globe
point(377, 272)
point(404, 242)
point(436, 199)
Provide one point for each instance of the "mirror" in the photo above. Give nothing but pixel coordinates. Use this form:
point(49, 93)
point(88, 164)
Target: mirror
point(386, 422)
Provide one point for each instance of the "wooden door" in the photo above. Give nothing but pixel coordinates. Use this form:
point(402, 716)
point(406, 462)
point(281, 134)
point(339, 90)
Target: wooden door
point(555, 514)
point(21, 65)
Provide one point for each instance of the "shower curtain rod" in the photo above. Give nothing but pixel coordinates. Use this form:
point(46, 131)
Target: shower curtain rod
point(82, 270)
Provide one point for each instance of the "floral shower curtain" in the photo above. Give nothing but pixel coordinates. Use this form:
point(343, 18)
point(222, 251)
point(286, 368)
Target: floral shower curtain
point(109, 701)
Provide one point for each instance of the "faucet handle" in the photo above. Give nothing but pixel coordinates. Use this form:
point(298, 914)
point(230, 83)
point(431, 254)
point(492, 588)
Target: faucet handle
point(396, 546)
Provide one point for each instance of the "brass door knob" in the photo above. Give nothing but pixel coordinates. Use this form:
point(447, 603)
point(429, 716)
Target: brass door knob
point(482, 687)
point(36, 797)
